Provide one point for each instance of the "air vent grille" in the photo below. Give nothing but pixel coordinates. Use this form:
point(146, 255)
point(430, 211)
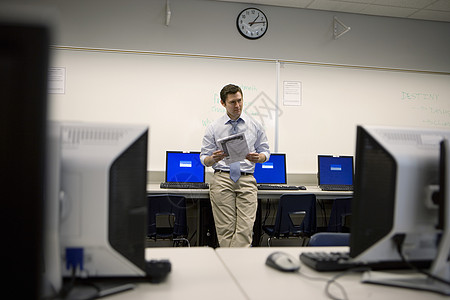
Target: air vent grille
point(91, 135)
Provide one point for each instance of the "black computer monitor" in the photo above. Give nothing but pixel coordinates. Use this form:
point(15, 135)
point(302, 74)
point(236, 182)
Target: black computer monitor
point(396, 218)
point(104, 216)
point(335, 170)
point(396, 175)
point(184, 167)
point(24, 57)
point(272, 171)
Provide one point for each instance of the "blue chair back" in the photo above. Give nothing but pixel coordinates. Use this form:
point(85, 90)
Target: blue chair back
point(329, 239)
point(293, 203)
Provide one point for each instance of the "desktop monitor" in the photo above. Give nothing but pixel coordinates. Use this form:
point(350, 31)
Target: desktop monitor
point(335, 170)
point(103, 208)
point(272, 171)
point(24, 57)
point(396, 176)
point(184, 167)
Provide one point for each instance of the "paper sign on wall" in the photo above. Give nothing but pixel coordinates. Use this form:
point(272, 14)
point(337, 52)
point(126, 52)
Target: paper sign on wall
point(292, 93)
point(57, 81)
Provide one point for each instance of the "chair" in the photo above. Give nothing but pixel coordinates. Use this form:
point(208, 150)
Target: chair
point(340, 215)
point(167, 218)
point(296, 217)
point(321, 239)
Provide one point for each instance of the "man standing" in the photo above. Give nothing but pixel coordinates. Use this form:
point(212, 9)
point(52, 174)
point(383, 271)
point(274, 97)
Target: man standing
point(233, 190)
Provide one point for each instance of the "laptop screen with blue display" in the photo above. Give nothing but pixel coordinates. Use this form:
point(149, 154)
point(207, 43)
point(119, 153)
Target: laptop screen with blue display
point(184, 167)
point(272, 171)
point(335, 170)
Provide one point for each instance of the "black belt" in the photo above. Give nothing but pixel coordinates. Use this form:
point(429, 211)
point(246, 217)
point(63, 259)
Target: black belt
point(222, 171)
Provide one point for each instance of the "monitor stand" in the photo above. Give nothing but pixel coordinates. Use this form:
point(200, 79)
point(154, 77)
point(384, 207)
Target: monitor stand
point(95, 288)
point(415, 281)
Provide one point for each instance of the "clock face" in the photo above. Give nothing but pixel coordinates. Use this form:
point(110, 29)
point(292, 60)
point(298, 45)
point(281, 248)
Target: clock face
point(252, 23)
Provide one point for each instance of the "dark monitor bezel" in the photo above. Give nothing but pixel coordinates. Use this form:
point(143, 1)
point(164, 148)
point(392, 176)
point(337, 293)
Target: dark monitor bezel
point(374, 191)
point(334, 156)
point(168, 152)
point(285, 170)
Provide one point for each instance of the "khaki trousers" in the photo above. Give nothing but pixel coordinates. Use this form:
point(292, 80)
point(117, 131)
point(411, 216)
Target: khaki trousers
point(234, 207)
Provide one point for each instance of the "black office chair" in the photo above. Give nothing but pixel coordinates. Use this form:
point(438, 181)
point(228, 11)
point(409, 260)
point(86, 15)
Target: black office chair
point(296, 217)
point(321, 239)
point(167, 219)
point(340, 216)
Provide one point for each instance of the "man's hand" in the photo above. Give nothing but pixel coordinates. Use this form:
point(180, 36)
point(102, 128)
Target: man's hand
point(215, 157)
point(256, 157)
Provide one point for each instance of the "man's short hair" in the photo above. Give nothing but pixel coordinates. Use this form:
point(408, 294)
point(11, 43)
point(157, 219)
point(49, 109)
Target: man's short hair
point(229, 89)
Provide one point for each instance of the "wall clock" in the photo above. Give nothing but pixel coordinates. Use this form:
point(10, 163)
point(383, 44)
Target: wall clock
point(252, 23)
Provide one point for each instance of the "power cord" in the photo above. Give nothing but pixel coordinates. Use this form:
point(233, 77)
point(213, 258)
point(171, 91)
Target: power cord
point(268, 206)
point(192, 237)
point(329, 282)
point(398, 240)
point(69, 286)
point(333, 280)
point(65, 290)
point(266, 216)
point(321, 204)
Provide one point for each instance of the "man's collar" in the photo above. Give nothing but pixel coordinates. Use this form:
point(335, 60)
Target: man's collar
point(227, 119)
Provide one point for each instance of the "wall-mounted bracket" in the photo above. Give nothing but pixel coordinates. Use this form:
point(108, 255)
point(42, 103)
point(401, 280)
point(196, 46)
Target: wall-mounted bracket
point(168, 13)
point(339, 28)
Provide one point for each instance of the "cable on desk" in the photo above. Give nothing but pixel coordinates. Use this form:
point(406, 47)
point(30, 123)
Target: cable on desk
point(398, 240)
point(66, 288)
point(333, 280)
point(69, 286)
point(329, 282)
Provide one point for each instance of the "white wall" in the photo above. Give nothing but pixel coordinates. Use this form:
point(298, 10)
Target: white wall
point(208, 27)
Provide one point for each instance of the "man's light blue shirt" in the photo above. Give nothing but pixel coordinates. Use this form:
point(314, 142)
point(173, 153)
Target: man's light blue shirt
point(254, 134)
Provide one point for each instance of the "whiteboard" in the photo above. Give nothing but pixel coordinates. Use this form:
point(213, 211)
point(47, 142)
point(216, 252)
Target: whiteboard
point(177, 96)
point(335, 100)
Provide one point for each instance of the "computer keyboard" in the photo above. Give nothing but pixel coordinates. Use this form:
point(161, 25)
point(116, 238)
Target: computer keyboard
point(334, 187)
point(340, 261)
point(327, 261)
point(184, 185)
point(280, 187)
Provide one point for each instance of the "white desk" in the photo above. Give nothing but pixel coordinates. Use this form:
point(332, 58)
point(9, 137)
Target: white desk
point(197, 273)
point(260, 282)
point(153, 188)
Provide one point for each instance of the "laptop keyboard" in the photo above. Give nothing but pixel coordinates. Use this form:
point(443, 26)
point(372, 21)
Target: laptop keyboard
point(336, 187)
point(184, 185)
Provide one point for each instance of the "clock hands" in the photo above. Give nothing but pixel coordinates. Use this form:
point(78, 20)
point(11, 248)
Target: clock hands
point(254, 21)
point(251, 23)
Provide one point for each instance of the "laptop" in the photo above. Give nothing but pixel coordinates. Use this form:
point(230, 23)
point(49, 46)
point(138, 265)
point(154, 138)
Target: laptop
point(335, 172)
point(184, 170)
point(271, 175)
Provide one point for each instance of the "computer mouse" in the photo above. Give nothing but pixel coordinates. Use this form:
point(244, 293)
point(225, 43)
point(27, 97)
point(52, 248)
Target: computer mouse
point(302, 187)
point(283, 262)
